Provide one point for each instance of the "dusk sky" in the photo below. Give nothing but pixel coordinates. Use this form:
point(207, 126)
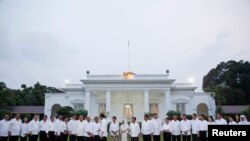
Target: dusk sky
point(50, 41)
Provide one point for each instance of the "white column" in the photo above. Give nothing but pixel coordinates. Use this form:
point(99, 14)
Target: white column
point(168, 100)
point(146, 101)
point(87, 100)
point(108, 101)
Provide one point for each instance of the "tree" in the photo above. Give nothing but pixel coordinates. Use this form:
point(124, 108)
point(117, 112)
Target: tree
point(230, 81)
point(171, 113)
point(65, 111)
point(81, 112)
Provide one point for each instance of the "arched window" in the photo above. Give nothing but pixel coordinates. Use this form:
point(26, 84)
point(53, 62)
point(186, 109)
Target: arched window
point(54, 108)
point(202, 109)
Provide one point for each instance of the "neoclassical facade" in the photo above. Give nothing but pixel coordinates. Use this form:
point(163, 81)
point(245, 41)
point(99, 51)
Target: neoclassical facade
point(124, 98)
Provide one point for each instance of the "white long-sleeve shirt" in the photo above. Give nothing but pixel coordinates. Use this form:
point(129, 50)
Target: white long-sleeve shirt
point(96, 128)
point(80, 131)
point(156, 126)
point(34, 127)
point(89, 128)
point(134, 129)
point(221, 121)
point(114, 129)
point(203, 125)
point(232, 123)
point(15, 127)
point(146, 127)
point(51, 126)
point(185, 127)
point(72, 126)
point(176, 127)
point(59, 127)
point(195, 126)
point(166, 127)
point(104, 127)
point(24, 129)
point(43, 125)
point(4, 128)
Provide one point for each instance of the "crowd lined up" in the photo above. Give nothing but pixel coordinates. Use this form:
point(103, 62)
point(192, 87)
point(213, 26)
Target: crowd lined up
point(84, 129)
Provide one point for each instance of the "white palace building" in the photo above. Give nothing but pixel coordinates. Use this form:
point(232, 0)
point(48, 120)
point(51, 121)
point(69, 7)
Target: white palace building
point(125, 97)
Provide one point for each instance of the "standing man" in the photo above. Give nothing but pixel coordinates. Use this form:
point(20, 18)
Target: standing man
point(104, 127)
point(96, 129)
point(146, 128)
point(72, 128)
point(59, 128)
point(43, 126)
point(51, 129)
point(156, 125)
point(114, 129)
point(220, 120)
point(34, 128)
point(80, 129)
point(185, 128)
point(134, 130)
point(89, 130)
point(15, 128)
point(4, 128)
point(176, 129)
point(195, 127)
point(203, 127)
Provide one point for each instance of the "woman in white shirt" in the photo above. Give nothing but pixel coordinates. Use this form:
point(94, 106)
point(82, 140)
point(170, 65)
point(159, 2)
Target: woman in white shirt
point(124, 130)
point(231, 121)
point(243, 120)
point(166, 129)
point(210, 120)
point(24, 129)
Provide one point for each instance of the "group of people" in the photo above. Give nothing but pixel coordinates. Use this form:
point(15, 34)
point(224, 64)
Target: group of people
point(83, 129)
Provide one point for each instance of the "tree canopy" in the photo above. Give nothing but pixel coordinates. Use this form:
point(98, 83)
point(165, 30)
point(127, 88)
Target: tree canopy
point(25, 96)
point(230, 81)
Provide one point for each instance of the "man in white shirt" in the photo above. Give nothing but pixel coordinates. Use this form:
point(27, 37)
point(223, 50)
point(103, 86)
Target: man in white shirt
point(72, 128)
point(220, 120)
point(34, 128)
point(203, 127)
point(4, 128)
point(104, 127)
point(134, 130)
point(15, 128)
point(156, 126)
point(114, 129)
point(175, 129)
point(146, 128)
point(185, 128)
point(89, 130)
point(59, 128)
point(96, 129)
point(195, 127)
point(51, 129)
point(80, 129)
point(43, 125)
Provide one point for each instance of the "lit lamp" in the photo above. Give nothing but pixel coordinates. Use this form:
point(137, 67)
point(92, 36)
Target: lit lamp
point(128, 75)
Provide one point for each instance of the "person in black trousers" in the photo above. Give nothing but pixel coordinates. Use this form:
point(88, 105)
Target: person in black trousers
point(24, 129)
point(166, 130)
point(203, 128)
point(4, 127)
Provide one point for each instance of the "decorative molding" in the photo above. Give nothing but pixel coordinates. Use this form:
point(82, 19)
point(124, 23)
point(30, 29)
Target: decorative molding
point(180, 100)
point(77, 101)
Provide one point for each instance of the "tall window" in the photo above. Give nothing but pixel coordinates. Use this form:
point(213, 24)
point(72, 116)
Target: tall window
point(102, 107)
point(128, 111)
point(181, 108)
point(78, 106)
point(154, 108)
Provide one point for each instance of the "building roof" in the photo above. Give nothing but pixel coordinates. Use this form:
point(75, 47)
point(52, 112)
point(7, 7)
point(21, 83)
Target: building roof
point(232, 109)
point(24, 109)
